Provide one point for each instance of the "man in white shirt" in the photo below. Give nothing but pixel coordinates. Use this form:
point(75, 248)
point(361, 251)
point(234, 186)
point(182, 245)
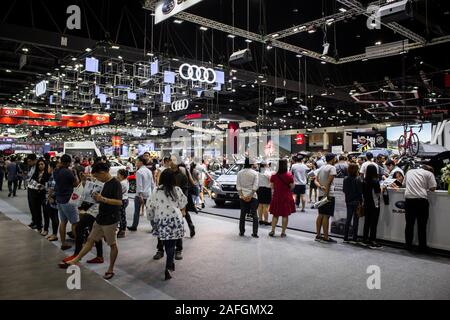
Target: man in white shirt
point(144, 183)
point(247, 185)
point(325, 185)
point(299, 171)
point(418, 183)
point(369, 161)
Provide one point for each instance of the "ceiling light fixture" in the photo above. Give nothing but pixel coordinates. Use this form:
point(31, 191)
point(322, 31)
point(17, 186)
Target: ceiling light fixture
point(178, 21)
point(342, 10)
point(248, 41)
point(202, 28)
point(232, 36)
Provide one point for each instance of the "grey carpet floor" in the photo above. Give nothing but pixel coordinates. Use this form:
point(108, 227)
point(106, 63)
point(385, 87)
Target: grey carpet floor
point(28, 269)
point(218, 264)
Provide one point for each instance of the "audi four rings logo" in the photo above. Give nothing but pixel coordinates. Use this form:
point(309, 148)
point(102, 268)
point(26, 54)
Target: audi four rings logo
point(11, 112)
point(196, 73)
point(101, 118)
point(180, 105)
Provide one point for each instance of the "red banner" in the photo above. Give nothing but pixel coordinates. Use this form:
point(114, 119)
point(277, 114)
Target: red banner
point(16, 116)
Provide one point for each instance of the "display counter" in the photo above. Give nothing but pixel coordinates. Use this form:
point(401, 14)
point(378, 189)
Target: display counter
point(391, 225)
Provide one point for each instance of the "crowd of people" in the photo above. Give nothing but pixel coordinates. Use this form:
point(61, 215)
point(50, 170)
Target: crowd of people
point(365, 183)
point(82, 192)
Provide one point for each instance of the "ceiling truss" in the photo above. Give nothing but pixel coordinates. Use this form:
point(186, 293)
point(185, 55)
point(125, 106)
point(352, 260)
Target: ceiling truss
point(355, 9)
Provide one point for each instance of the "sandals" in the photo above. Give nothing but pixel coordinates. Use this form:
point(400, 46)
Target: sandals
point(66, 247)
point(108, 275)
point(44, 233)
point(271, 234)
point(52, 238)
point(283, 235)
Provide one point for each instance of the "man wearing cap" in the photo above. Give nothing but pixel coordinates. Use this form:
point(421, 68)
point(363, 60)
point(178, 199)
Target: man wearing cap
point(247, 185)
point(325, 184)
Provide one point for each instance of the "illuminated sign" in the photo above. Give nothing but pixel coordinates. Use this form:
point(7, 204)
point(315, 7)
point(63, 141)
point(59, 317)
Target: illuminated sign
point(41, 88)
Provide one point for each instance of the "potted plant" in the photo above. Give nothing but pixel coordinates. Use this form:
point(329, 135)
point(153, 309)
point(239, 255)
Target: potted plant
point(446, 176)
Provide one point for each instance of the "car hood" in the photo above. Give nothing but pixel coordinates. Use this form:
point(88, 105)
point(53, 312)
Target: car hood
point(227, 179)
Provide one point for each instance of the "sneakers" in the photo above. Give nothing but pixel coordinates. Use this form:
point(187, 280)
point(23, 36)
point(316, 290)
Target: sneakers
point(255, 236)
point(96, 260)
point(158, 255)
point(241, 234)
point(178, 255)
point(374, 245)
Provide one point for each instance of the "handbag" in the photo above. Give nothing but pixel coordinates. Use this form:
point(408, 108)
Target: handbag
point(75, 198)
point(360, 210)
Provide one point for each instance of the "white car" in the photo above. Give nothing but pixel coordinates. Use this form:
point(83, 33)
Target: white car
point(115, 167)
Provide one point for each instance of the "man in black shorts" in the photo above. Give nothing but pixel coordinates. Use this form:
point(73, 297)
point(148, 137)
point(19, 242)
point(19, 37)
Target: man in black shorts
point(325, 184)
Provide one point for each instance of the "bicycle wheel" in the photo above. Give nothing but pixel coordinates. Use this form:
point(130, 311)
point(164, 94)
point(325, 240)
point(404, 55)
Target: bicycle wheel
point(401, 145)
point(414, 145)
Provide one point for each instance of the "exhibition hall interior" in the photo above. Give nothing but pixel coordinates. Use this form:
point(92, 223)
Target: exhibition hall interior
point(225, 150)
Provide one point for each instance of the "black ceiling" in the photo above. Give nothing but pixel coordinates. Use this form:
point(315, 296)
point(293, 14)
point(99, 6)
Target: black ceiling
point(128, 24)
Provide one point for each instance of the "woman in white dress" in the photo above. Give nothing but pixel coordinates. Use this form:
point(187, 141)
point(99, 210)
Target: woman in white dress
point(166, 208)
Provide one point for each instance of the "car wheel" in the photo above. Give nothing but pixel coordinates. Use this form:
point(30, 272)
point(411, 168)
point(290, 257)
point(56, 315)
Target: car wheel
point(219, 203)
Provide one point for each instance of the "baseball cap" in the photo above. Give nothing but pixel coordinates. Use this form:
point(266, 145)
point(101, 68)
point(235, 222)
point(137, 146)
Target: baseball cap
point(329, 157)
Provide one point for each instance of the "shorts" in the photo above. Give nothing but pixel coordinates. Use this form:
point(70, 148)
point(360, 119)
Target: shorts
point(108, 232)
point(328, 209)
point(68, 212)
point(299, 189)
point(264, 195)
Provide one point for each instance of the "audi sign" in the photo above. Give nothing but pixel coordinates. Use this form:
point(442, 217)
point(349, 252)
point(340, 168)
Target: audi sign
point(180, 105)
point(196, 73)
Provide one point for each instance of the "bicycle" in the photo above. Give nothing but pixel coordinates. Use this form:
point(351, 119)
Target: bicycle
point(409, 142)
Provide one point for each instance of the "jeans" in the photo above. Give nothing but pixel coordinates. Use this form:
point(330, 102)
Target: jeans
point(86, 222)
point(137, 211)
point(416, 209)
point(37, 202)
point(249, 208)
point(12, 187)
point(178, 245)
point(123, 215)
point(51, 214)
point(371, 222)
point(170, 253)
point(351, 213)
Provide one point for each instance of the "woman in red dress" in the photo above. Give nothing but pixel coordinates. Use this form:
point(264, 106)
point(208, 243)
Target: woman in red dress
point(282, 204)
